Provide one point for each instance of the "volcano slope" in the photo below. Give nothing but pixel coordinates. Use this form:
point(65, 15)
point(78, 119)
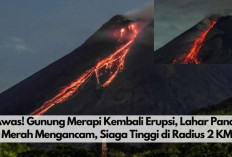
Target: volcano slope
point(141, 88)
point(216, 46)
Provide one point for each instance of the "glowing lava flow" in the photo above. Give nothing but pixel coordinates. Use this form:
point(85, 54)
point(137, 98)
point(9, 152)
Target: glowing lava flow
point(191, 57)
point(114, 64)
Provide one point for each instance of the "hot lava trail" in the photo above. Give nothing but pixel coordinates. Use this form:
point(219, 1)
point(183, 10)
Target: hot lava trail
point(107, 68)
point(191, 57)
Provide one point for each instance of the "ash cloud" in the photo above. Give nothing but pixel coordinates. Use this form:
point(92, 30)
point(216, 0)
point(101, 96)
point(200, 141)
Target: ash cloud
point(146, 13)
point(222, 7)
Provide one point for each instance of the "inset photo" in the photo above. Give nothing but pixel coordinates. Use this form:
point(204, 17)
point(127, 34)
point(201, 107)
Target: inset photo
point(193, 31)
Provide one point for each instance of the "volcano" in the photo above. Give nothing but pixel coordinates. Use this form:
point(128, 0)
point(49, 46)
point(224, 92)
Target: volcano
point(209, 42)
point(114, 72)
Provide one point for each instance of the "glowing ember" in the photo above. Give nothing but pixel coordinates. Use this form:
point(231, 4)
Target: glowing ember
point(191, 57)
point(122, 33)
point(111, 65)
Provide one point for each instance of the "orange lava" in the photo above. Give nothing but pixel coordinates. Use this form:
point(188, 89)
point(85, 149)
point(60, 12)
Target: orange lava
point(122, 33)
point(191, 57)
point(114, 64)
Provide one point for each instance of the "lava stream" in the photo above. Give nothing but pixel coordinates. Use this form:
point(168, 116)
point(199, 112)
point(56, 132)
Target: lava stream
point(191, 57)
point(113, 63)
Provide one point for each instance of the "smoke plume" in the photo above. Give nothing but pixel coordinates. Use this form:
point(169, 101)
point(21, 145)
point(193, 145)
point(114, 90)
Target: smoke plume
point(146, 13)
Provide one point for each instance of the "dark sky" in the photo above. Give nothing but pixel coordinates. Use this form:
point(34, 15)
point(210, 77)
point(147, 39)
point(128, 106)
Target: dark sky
point(36, 33)
point(173, 17)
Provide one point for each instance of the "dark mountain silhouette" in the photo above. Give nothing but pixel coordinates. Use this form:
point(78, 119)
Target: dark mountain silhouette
point(141, 88)
point(222, 108)
point(216, 48)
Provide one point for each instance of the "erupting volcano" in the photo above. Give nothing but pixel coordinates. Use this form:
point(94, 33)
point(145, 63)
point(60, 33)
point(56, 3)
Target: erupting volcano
point(191, 57)
point(105, 70)
point(74, 84)
point(207, 42)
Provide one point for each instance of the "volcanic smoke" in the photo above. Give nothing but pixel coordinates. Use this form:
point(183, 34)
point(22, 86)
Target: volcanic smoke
point(108, 68)
point(191, 57)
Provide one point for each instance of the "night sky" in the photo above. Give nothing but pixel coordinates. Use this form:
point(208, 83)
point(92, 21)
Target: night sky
point(173, 17)
point(37, 33)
